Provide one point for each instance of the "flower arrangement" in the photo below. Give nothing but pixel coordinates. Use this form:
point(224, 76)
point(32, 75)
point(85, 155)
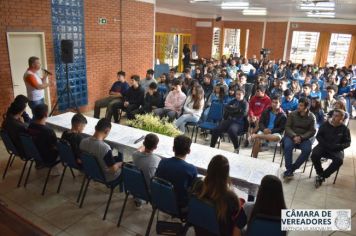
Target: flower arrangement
point(152, 123)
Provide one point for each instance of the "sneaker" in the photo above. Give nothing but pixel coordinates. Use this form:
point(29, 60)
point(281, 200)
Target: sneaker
point(237, 150)
point(288, 174)
point(319, 181)
point(138, 203)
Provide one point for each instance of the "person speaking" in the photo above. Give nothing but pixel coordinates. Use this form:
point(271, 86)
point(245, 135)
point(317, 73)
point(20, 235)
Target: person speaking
point(35, 83)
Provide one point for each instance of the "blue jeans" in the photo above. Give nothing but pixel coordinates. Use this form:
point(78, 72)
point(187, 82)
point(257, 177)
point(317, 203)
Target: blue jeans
point(289, 145)
point(184, 119)
point(33, 104)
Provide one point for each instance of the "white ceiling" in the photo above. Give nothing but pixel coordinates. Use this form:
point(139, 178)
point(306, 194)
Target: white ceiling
point(284, 9)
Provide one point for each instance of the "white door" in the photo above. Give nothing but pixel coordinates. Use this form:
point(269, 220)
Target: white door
point(23, 45)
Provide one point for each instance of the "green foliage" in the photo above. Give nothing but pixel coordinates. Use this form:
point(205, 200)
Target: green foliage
point(152, 123)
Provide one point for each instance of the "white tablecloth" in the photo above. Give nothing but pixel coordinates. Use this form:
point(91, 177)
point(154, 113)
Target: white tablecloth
point(246, 172)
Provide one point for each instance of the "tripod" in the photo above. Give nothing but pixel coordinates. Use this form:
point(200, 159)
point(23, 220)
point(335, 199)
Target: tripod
point(67, 90)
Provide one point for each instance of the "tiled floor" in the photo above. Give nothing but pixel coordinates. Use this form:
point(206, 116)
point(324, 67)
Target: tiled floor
point(59, 213)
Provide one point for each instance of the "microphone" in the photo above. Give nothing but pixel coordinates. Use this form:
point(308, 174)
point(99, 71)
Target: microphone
point(46, 71)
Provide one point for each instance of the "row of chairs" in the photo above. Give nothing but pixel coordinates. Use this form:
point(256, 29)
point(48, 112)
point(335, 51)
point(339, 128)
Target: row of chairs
point(161, 193)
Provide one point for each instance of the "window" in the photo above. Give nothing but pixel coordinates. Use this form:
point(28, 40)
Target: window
point(232, 42)
point(338, 49)
point(216, 43)
point(304, 45)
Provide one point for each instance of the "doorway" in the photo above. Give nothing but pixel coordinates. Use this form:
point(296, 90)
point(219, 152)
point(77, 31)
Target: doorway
point(21, 46)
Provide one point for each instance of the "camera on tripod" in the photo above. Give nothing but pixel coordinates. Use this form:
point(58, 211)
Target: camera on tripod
point(265, 52)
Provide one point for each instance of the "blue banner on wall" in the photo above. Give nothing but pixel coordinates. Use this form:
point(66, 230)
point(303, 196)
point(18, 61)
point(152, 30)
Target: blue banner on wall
point(68, 23)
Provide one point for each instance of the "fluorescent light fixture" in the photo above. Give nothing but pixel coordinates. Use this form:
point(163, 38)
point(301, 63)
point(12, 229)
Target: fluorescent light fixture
point(233, 8)
point(234, 4)
point(321, 14)
point(319, 4)
point(316, 8)
point(195, 1)
point(255, 12)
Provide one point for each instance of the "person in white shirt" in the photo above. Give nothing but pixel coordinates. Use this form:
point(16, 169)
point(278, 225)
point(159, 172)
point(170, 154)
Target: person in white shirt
point(247, 67)
point(193, 108)
point(35, 83)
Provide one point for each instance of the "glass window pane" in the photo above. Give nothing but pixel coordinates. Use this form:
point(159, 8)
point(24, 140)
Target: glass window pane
point(231, 42)
point(338, 49)
point(304, 45)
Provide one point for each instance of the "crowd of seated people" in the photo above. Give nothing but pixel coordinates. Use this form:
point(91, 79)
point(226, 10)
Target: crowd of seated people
point(295, 105)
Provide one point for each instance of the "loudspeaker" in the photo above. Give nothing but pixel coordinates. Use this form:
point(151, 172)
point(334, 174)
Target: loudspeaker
point(217, 19)
point(67, 51)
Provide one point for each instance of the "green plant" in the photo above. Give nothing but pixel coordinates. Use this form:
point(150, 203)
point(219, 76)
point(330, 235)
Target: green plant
point(152, 123)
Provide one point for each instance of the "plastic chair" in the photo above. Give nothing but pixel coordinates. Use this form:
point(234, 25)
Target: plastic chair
point(11, 149)
point(203, 215)
point(32, 154)
point(135, 185)
point(94, 172)
point(68, 159)
point(163, 198)
point(265, 225)
point(214, 117)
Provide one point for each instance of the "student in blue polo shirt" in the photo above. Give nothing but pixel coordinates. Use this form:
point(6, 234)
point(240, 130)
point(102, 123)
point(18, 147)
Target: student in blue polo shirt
point(289, 101)
point(177, 171)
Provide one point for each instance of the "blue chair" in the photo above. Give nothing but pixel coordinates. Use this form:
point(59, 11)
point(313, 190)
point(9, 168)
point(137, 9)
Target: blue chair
point(135, 185)
point(11, 149)
point(32, 154)
point(201, 214)
point(68, 159)
point(214, 117)
point(265, 225)
point(163, 198)
point(94, 172)
point(193, 125)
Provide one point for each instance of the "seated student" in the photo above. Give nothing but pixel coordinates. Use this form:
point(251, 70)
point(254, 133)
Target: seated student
point(315, 91)
point(21, 99)
point(271, 125)
point(96, 146)
point(116, 94)
point(177, 171)
point(230, 95)
point(171, 75)
point(344, 88)
point(153, 100)
point(221, 82)
point(289, 101)
point(14, 124)
point(144, 158)
point(198, 76)
point(306, 92)
point(163, 86)
point(44, 137)
point(295, 86)
point(174, 102)
point(340, 104)
point(192, 109)
point(328, 103)
point(148, 80)
point(241, 83)
point(299, 130)
point(269, 201)
point(333, 137)
point(217, 189)
point(258, 103)
point(315, 108)
point(218, 95)
point(207, 86)
point(75, 135)
point(234, 120)
point(133, 99)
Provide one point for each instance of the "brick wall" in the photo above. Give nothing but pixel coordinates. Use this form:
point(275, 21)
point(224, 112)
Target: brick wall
point(205, 39)
point(102, 41)
point(16, 16)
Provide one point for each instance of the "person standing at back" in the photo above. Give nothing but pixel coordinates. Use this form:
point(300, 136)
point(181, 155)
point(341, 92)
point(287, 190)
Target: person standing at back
point(35, 83)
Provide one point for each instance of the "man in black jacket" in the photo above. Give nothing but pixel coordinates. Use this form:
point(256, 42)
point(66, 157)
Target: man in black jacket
point(153, 100)
point(235, 120)
point(271, 125)
point(333, 137)
point(133, 99)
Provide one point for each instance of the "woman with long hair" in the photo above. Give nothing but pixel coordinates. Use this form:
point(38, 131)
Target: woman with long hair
point(217, 189)
point(315, 108)
point(193, 108)
point(315, 90)
point(269, 200)
point(295, 86)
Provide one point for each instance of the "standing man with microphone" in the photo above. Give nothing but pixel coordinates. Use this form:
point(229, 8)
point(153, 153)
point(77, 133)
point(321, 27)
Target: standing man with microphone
point(35, 84)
